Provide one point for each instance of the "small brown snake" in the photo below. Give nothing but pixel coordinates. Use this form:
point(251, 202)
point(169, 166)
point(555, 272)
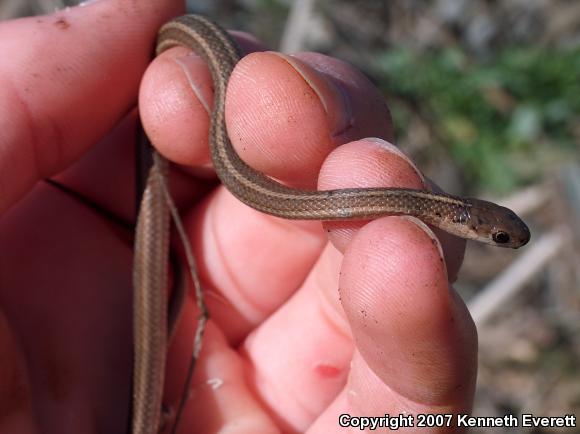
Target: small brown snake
point(467, 218)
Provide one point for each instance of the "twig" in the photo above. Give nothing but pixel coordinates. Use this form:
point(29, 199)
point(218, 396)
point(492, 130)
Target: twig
point(514, 278)
point(203, 312)
point(296, 26)
point(528, 200)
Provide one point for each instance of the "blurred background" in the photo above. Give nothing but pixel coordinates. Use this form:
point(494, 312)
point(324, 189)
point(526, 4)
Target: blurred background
point(485, 97)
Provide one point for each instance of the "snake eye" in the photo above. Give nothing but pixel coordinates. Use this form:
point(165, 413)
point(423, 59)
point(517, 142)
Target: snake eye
point(501, 237)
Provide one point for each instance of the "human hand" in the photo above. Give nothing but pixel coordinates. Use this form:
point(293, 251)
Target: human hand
point(67, 82)
point(280, 339)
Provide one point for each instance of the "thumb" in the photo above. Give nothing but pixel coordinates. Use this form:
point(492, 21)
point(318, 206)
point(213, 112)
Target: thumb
point(70, 77)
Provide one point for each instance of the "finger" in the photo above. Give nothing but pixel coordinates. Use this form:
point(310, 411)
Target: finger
point(249, 263)
point(376, 163)
point(16, 382)
point(219, 397)
point(63, 271)
point(71, 76)
point(417, 342)
point(288, 350)
point(270, 99)
point(105, 175)
point(176, 100)
point(396, 295)
point(328, 103)
point(285, 114)
point(298, 358)
point(241, 259)
point(366, 396)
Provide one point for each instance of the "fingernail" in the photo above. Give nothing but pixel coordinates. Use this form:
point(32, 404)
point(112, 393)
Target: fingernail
point(333, 98)
point(383, 144)
point(88, 2)
point(188, 63)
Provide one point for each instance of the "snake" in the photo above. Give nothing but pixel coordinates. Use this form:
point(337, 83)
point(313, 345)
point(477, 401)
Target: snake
point(467, 218)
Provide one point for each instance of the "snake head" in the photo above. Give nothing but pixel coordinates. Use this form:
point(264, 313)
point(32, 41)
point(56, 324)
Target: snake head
point(496, 225)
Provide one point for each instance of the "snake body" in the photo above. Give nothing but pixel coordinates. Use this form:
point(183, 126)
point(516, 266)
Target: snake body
point(467, 218)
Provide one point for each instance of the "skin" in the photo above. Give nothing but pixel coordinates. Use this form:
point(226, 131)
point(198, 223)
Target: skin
point(293, 352)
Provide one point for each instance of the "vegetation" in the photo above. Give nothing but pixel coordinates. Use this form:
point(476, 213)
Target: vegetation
point(503, 120)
